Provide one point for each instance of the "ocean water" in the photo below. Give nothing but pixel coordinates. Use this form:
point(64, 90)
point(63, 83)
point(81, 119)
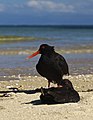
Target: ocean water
point(67, 38)
point(56, 35)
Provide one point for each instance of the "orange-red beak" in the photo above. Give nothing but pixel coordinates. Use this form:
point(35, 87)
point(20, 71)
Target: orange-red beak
point(33, 55)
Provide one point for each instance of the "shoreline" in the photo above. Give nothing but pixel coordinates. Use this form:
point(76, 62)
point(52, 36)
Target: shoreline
point(72, 49)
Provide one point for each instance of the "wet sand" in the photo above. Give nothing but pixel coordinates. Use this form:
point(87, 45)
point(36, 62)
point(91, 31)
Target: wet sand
point(25, 104)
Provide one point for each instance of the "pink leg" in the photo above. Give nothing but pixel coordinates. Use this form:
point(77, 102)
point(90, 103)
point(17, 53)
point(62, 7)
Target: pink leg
point(59, 85)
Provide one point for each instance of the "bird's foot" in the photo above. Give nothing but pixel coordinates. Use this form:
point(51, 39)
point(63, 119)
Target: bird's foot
point(59, 85)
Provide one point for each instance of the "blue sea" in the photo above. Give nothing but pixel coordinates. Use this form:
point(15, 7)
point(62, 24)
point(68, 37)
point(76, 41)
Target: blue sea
point(75, 43)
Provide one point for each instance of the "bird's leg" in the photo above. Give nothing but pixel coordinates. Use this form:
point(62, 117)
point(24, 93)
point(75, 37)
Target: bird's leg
point(48, 83)
point(58, 85)
point(42, 92)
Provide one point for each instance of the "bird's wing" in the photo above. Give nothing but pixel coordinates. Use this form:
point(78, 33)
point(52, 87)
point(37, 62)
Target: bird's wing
point(62, 64)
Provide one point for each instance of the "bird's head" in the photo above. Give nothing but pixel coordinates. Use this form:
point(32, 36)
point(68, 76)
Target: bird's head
point(44, 49)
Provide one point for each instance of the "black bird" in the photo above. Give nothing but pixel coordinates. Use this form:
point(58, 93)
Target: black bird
point(63, 94)
point(51, 65)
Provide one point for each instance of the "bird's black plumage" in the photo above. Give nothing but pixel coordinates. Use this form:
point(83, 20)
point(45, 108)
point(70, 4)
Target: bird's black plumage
point(51, 65)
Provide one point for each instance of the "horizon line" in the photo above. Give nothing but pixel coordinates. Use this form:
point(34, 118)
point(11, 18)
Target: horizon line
point(46, 24)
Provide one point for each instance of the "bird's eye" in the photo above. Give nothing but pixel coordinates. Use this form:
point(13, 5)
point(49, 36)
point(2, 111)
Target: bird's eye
point(43, 47)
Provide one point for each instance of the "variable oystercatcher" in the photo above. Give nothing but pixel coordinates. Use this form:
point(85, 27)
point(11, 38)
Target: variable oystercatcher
point(51, 65)
point(63, 94)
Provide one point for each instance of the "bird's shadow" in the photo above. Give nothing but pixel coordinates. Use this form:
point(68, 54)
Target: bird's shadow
point(14, 90)
point(38, 102)
point(35, 102)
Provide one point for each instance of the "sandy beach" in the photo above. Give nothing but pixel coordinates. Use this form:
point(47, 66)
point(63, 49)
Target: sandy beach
point(25, 103)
